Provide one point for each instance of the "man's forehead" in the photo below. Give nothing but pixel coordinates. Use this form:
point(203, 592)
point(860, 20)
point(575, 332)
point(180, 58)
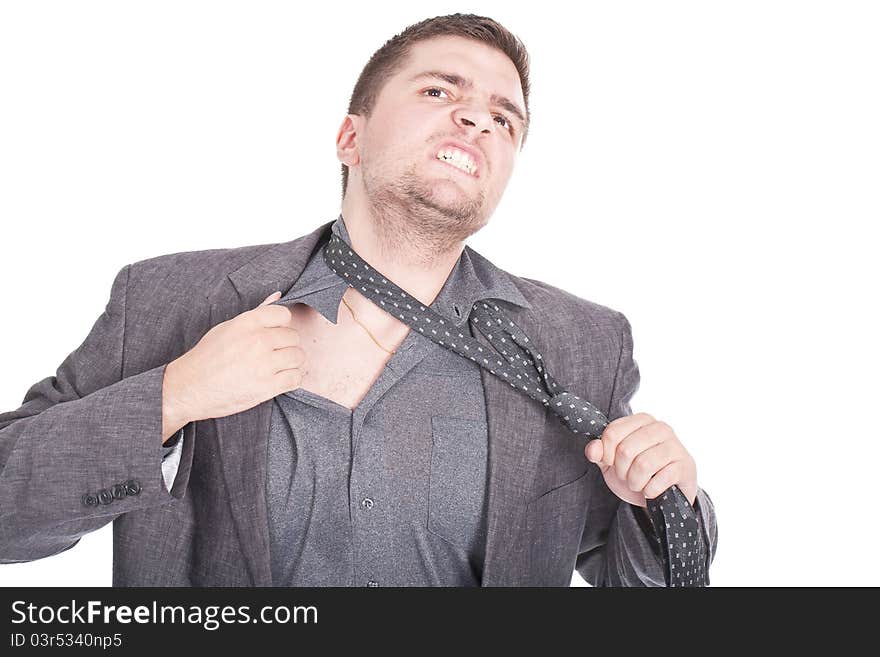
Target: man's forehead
point(467, 58)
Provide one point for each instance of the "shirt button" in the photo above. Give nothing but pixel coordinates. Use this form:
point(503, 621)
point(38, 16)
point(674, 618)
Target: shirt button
point(132, 486)
point(367, 503)
point(105, 496)
point(372, 583)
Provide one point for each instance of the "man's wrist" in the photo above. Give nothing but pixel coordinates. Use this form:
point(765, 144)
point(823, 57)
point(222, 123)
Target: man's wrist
point(174, 415)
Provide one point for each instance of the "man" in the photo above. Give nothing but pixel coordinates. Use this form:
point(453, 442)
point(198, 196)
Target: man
point(314, 438)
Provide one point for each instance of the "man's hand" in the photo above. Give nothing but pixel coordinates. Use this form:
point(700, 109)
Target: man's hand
point(236, 365)
point(641, 457)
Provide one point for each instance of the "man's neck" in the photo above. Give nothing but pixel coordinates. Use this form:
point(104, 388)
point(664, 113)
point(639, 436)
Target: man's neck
point(401, 258)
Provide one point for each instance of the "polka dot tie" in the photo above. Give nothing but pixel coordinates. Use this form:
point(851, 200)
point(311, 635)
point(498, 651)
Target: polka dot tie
point(679, 539)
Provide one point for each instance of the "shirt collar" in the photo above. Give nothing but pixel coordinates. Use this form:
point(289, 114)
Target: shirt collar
point(473, 278)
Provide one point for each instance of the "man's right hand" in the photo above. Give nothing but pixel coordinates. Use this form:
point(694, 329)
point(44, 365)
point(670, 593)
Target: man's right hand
point(236, 365)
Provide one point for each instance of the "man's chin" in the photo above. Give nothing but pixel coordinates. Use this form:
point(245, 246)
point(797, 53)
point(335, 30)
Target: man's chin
point(454, 204)
point(460, 191)
point(442, 194)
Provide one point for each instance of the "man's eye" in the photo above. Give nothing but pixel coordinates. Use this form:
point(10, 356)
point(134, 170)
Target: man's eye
point(507, 124)
point(434, 89)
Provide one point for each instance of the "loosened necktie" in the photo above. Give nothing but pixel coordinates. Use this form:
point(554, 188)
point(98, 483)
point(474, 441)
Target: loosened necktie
point(679, 539)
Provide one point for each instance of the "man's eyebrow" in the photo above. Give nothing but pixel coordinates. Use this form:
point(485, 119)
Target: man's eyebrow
point(464, 83)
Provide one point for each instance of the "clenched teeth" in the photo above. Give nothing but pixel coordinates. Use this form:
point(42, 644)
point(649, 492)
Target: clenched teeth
point(458, 159)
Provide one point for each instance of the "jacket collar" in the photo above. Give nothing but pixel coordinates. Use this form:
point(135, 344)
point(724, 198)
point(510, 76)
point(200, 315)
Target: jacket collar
point(472, 278)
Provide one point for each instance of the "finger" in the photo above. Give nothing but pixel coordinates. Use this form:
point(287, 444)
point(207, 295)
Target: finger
point(287, 358)
point(274, 315)
point(647, 464)
point(634, 444)
point(282, 336)
point(662, 480)
point(272, 297)
point(617, 430)
point(288, 379)
point(593, 450)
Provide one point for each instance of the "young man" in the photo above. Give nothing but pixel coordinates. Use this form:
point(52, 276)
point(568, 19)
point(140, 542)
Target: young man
point(312, 437)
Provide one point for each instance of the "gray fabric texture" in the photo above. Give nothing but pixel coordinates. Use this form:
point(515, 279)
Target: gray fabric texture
point(391, 493)
point(98, 421)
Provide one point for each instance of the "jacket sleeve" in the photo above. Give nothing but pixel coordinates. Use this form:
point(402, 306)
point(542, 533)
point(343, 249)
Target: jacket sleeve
point(85, 445)
point(618, 546)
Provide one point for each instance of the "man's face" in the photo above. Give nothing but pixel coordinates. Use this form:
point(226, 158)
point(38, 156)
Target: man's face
point(416, 116)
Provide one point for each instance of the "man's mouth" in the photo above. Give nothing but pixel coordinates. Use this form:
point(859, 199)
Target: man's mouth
point(458, 159)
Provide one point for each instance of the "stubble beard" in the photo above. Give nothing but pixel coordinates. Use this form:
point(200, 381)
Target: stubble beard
point(413, 224)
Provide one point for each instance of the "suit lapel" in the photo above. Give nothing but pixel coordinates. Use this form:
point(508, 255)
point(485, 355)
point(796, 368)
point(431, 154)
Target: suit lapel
point(242, 438)
point(515, 427)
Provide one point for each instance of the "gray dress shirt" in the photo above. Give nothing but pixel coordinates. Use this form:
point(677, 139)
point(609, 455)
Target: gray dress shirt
point(393, 492)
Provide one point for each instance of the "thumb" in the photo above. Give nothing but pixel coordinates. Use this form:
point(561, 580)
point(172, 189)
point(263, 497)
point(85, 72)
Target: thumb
point(594, 450)
point(272, 297)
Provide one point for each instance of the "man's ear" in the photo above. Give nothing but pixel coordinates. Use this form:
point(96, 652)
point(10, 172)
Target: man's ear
point(346, 140)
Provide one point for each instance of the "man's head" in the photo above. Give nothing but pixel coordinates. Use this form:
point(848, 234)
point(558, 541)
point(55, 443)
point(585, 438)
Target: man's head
point(446, 82)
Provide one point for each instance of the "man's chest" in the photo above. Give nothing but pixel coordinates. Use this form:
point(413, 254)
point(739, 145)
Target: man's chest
point(342, 360)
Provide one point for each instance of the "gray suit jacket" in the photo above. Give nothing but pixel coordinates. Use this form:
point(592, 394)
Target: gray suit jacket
point(96, 425)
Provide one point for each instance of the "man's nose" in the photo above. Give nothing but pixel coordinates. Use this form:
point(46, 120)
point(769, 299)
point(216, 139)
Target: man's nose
point(481, 120)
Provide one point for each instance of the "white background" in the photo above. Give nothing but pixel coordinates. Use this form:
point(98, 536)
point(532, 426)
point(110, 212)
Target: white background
point(709, 169)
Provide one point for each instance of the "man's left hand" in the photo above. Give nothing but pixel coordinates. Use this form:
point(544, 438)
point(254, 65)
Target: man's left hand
point(641, 457)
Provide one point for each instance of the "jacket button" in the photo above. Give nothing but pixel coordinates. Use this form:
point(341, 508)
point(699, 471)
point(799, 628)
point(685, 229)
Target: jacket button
point(105, 496)
point(90, 500)
point(118, 491)
point(132, 487)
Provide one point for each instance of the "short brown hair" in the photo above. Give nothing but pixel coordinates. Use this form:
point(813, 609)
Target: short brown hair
point(390, 58)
